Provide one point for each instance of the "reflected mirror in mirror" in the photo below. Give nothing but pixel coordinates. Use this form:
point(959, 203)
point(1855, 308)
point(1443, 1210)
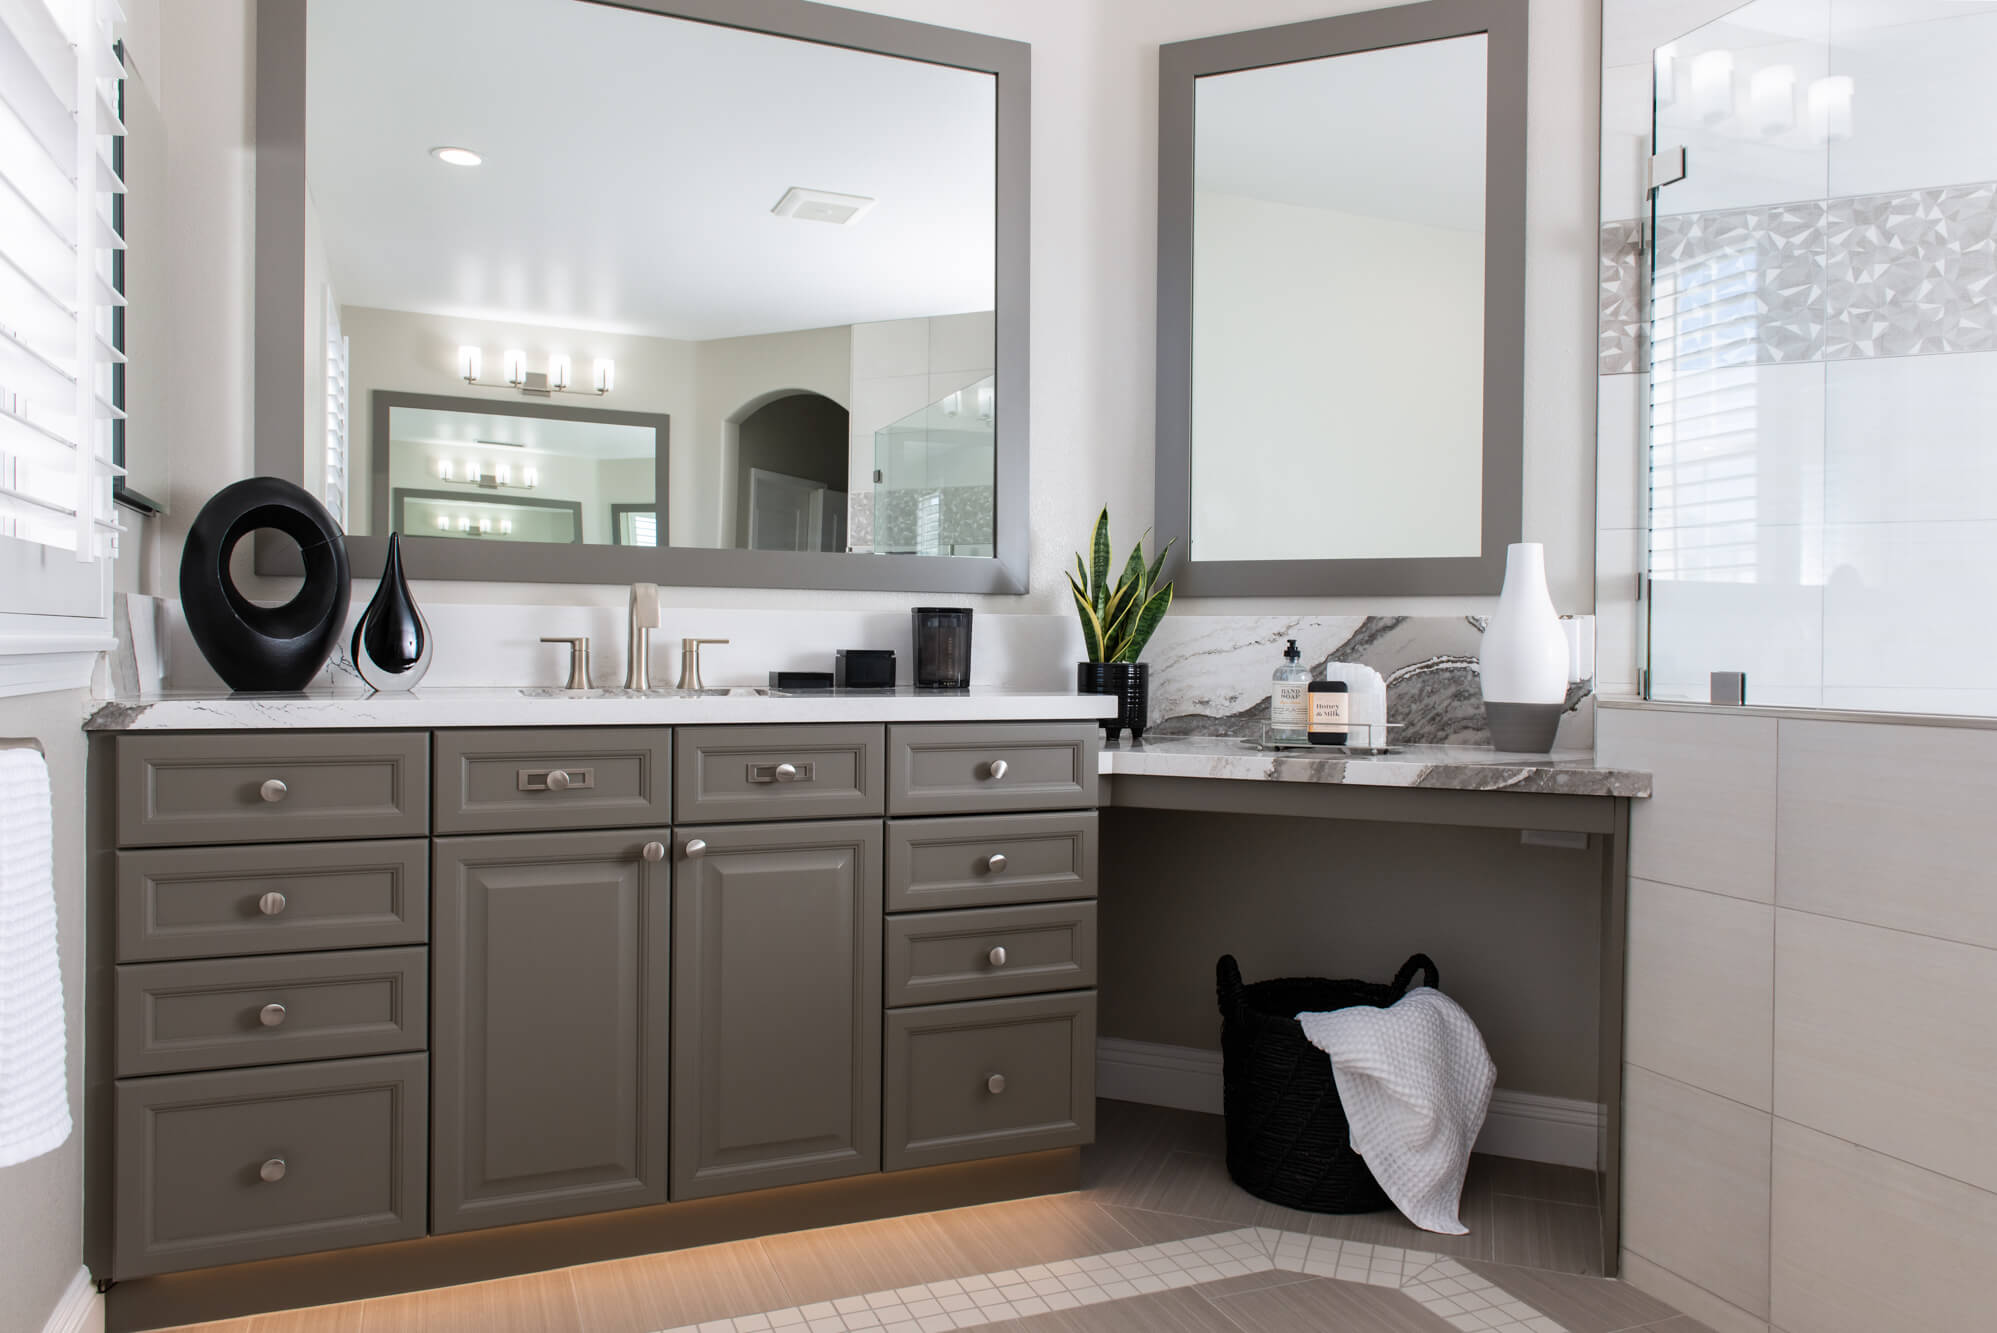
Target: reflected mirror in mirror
point(1338, 306)
point(708, 287)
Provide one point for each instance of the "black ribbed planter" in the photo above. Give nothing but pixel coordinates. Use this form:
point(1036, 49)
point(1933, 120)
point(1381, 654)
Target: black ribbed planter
point(1130, 682)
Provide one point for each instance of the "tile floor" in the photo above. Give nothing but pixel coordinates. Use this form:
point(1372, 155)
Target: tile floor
point(1158, 1240)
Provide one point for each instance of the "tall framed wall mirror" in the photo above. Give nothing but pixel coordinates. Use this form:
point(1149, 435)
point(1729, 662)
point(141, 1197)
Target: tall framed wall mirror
point(1341, 302)
point(694, 292)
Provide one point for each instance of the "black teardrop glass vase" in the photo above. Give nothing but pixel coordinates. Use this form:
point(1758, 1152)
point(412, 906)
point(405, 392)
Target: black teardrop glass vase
point(392, 647)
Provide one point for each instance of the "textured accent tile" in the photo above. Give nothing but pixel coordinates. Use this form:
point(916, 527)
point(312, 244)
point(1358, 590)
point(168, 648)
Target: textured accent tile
point(1914, 272)
point(1621, 320)
point(1740, 286)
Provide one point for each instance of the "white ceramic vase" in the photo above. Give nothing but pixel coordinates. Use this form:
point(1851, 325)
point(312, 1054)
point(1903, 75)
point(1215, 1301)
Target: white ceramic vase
point(1524, 660)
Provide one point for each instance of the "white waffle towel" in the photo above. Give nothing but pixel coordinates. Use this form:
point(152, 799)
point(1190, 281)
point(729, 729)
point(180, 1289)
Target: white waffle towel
point(34, 1080)
point(1416, 1081)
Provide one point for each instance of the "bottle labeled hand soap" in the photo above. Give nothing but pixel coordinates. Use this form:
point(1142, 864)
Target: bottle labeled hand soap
point(1289, 697)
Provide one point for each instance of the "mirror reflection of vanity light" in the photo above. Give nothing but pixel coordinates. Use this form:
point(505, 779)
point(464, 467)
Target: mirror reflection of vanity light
point(1666, 87)
point(443, 523)
point(606, 374)
point(505, 527)
point(484, 525)
point(1771, 100)
point(559, 370)
point(503, 475)
point(464, 524)
point(445, 472)
point(1713, 85)
point(516, 366)
point(470, 362)
point(530, 478)
point(472, 472)
point(1830, 107)
point(985, 404)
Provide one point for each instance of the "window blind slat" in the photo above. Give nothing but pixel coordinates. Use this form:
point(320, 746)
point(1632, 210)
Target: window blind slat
point(43, 110)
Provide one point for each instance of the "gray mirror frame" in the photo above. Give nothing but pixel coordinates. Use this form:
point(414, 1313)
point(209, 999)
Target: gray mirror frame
point(279, 407)
point(1180, 65)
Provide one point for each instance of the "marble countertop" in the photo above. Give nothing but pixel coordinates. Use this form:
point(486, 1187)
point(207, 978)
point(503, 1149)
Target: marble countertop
point(497, 706)
point(1444, 767)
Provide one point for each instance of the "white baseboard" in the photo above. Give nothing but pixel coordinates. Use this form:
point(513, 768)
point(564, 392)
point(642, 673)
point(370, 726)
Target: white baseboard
point(81, 1309)
point(1519, 1124)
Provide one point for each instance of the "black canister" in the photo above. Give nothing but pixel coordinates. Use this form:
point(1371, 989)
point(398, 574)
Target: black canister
point(942, 646)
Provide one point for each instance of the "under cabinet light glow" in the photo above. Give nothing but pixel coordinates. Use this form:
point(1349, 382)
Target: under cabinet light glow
point(1830, 108)
point(470, 362)
point(606, 374)
point(559, 370)
point(1713, 86)
point(1771, 99)
point(516, 366)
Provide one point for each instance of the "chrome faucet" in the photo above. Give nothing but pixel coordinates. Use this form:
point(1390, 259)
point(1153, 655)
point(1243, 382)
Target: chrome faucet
point(644, 619)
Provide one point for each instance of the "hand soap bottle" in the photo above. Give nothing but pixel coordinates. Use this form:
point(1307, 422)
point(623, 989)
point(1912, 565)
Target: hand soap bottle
point(1289, 708)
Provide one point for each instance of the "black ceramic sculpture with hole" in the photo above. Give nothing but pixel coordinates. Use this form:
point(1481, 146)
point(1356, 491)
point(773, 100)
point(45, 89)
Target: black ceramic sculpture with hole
point(264, 649)
point(391, 645)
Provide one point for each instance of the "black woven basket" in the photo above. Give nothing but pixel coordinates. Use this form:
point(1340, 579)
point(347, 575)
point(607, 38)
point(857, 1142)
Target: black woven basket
point(1287, 1137)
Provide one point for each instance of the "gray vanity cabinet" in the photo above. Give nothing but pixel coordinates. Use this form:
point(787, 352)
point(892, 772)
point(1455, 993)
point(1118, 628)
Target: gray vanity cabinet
point(551, 965)
point(776, 1004)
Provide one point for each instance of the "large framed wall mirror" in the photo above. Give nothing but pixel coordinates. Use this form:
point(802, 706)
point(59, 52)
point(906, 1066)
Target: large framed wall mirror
point(726, 292)
point(1341, 292)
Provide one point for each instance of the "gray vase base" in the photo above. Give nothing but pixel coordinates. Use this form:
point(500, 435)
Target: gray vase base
point(1523, 728)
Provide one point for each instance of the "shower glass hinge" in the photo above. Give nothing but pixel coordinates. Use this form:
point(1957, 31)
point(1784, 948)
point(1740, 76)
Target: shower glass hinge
point(1667, 167)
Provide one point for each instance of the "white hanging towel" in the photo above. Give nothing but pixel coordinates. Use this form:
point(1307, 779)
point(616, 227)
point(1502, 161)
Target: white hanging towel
point(1416, 1081)
point(34, 1080)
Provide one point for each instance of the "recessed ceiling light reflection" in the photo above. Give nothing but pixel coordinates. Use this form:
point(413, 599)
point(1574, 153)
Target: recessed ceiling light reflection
point(457, 157)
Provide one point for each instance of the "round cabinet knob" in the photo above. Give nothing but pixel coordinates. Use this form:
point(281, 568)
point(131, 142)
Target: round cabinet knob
point(995, 864)
point(786, 772)
point(274, 790)
point(271, 1171)
point(997, 956)
point(271, 1015)
point(558, 781)
point(271, 903)
point(696, 848)
point(655, 852)
point(994, 1085)
point(996, 769)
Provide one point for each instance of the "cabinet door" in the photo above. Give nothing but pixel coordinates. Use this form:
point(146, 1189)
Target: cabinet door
point(551, 972)
point(776, 1005)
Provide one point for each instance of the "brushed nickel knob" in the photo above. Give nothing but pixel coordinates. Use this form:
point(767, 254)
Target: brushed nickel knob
point(995, 1084)
point(997, 769)
point(558, 780)
point(997, 956)
point(995, 864)
point(271, 1015)
point(274, 790)
point(272, 1171)
point(786, 772)
point(696, 848)
point(655, 852)
point(271, 904)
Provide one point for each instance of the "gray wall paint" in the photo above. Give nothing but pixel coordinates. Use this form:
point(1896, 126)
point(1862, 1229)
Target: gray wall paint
point(803, 435)
point(41, 1201)
point(1515, 930)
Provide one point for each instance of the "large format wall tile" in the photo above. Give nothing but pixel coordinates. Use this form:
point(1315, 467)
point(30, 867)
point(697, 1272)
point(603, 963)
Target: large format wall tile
point(1864, 1244)
point(1911, 438)
point(1622, 454)
point(1890, 825)
point(1924, 100)
point(1887, 1039)
point(1697, 1303)
point(1913, 273)
point(1701, 989)
point(1695, 1187)
point(1710, 823)
point(1904, 604)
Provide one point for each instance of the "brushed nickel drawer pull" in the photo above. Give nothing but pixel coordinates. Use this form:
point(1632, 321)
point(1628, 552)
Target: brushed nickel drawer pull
point(785, 772)
point(655, 852)
point(997, 769)
point(995, 1084)
point(557, 779)
point(271, 1015)
point(273, 790)
point(272, 1171)
point(696, 848)
point(995, 864)
point(272, 903)
point(997, 956)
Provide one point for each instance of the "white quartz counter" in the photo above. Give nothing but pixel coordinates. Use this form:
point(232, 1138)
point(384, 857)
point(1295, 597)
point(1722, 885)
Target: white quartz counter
point(464, 706)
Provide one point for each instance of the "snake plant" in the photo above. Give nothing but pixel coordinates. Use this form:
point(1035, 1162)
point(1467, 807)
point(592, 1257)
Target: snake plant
point(1118, 619)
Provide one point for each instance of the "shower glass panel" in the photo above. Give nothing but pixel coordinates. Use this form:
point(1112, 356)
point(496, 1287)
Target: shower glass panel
point(933, 474)
point(1822, 408)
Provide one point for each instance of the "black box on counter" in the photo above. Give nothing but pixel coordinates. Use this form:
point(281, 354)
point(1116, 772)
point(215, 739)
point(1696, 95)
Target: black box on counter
point(863, 669)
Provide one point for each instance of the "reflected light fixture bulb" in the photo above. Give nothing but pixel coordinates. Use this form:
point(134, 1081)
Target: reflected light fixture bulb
point(445, 471)
point(464, 525)
point(484, 524)
point(606, 374)
point(1665, 85)
point(455, 156)
point(505, 526)
point(516, 366)
point(529, 478)
point(443, 523)
point(1713, 86)
point(503, 474)
point(1771, 99)
point(559, 370)
point(1830, 107)
point(470, 362)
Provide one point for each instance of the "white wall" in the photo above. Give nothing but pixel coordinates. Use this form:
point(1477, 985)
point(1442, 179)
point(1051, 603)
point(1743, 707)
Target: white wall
point(1338, 386)
point(737, 375)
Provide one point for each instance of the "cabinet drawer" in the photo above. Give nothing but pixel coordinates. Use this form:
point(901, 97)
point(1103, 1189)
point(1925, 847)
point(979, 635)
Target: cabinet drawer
point(988, 1078)
point(731, 773)
point(943, 770)
point(221, 1013)
point(983, 860)
point(272, 786)
point(533, 780)
point(990, 951)
point(205, 902)
point(346, 1141)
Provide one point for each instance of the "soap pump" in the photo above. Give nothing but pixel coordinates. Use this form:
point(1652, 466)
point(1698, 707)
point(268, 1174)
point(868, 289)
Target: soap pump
point(1289, 700)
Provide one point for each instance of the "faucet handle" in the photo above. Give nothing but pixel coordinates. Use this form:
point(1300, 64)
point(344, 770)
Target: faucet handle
point(690, 662)
point(578, 660)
